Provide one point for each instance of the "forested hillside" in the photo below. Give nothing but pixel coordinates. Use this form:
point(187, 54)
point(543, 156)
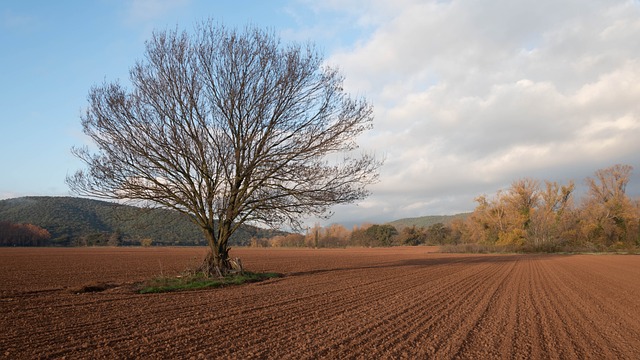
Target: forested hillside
point(74, 221)
point(426, 221)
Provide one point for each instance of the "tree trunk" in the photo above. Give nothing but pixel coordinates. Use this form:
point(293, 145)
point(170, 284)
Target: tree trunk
point(216, 263)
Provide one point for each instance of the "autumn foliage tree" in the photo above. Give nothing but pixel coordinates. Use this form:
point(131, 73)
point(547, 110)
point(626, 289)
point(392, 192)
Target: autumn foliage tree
point(545, 218)
point(609, 216)
point(12, 234)
point(228, 127)
point(525, 214)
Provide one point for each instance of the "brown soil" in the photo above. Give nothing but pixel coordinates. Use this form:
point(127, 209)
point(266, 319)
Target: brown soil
point(338, 304)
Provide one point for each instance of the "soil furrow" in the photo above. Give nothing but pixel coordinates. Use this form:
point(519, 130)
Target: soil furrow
point(400, 303)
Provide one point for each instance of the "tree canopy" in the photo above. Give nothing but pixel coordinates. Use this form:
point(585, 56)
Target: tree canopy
point(228, 126)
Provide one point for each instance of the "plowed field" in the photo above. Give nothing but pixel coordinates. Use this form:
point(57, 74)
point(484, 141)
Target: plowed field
point(394, 303)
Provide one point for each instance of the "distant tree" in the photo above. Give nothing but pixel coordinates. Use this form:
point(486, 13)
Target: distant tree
point(553, 219)
point(358, 237)
point(487, 222)
point(381, 235)
point(437, 233)
point(505, 219)
point(608, 214)
point(459, 231)
point(312, 239)
point(293, 240)
point(335, 235)
point(523, 198)
point(114, 239)
point(228, 127)
point(82, 240)
point(412, 235)
point(256, 242)
point(519, 204)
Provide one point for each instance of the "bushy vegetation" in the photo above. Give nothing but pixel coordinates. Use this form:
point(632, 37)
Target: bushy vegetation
point(71, 221)
point(199, 282)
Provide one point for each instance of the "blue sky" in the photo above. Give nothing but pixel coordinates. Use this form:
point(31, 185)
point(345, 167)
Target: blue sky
point(469, 96)
point(55, 51)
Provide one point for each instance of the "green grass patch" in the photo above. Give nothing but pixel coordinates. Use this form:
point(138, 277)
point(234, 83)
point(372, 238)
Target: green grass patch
point(198, 282)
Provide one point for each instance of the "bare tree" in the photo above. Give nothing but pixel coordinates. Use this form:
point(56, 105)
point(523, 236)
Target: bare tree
point(228, 126)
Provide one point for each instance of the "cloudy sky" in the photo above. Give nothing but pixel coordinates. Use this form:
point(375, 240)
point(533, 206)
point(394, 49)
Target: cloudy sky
point(469, 95)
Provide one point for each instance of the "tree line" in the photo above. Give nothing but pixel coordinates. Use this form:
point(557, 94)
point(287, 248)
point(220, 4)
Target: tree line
point(365, 235)
point(529, 216)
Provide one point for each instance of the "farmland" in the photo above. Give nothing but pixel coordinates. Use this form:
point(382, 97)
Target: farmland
point(404, 302)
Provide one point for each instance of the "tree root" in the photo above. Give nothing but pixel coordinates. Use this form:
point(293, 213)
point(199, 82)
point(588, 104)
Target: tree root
point(224, 267)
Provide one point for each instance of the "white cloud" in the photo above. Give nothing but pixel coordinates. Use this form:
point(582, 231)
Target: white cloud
point(471, 95)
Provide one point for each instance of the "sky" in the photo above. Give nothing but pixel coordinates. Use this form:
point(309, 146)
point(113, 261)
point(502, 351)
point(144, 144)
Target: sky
point(469, 96)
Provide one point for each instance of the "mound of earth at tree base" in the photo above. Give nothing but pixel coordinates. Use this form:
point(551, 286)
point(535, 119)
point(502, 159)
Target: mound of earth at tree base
point(332, 303)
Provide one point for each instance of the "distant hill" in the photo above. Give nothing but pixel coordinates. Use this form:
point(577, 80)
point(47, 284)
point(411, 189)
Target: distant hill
point(426, 221)
point(76, 221)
